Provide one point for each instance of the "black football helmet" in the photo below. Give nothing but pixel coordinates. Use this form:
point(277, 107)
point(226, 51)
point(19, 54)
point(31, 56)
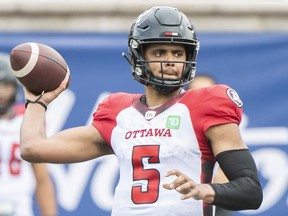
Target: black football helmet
point(7, 77)
point(162, 24)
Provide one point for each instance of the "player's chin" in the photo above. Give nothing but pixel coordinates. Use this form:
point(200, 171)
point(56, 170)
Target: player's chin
point(168, 77)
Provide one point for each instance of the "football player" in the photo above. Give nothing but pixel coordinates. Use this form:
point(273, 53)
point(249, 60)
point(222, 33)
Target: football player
point(19, 180)
point(166, 140)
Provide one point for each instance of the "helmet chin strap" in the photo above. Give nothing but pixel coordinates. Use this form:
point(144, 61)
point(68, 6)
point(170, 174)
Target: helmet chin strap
point(160, 84)
point(165, 89)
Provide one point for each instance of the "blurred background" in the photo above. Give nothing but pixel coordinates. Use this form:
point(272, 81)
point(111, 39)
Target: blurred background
point(244, 44)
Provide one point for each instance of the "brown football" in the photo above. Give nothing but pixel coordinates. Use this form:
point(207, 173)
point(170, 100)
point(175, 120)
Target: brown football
point(38, 67)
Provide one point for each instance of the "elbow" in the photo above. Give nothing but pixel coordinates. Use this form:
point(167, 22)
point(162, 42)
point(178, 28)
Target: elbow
point(26, 153)
point(254, 197)
point(257, 198)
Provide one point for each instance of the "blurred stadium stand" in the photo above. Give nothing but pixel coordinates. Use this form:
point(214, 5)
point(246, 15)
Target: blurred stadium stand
point(117, 15)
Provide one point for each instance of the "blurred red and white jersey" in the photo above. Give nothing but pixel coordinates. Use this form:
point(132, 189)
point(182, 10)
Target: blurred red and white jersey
point(17, 181)
point(149, 142)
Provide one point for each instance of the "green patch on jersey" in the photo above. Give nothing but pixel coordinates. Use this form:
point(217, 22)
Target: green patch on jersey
point(173, 122)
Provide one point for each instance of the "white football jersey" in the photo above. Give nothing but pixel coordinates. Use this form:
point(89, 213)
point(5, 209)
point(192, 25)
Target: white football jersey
point(17, 182)
point(150, 142)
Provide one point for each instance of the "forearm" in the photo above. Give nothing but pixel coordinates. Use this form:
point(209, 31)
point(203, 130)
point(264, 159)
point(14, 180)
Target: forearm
point(32, 130)
point(46, 199)
point(244, 190)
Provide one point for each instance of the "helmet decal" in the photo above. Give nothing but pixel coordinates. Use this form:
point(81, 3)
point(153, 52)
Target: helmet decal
point(171, 34)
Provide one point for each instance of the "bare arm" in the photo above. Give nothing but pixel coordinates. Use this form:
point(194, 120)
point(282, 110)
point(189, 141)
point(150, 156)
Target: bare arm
point(225, 137)
point(45, 192)
point(219, 176)
point(238, 143)
point(72, 145)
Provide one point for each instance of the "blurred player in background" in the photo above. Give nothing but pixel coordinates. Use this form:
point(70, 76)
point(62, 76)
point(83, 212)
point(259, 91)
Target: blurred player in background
point(19, 180)
point(202, 81)
point(166, 140)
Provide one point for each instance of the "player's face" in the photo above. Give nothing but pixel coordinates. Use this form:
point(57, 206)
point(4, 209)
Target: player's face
point(6, 93)
point(168, 59)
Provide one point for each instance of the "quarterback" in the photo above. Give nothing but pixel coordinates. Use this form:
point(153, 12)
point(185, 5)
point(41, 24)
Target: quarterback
point(166, 140)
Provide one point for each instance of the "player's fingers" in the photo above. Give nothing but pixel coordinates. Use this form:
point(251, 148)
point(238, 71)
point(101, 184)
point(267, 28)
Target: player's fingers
point(186, 187)
point(194, 193)
point(65, 83)
point(176, 182)
point(181, 179)
point(173, 172)
point(167, 186)
point(189, 195)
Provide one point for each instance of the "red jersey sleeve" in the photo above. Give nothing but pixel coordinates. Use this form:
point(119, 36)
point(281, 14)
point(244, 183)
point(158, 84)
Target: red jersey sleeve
point(221, 105)
point(104, 118)
point(218, 104)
